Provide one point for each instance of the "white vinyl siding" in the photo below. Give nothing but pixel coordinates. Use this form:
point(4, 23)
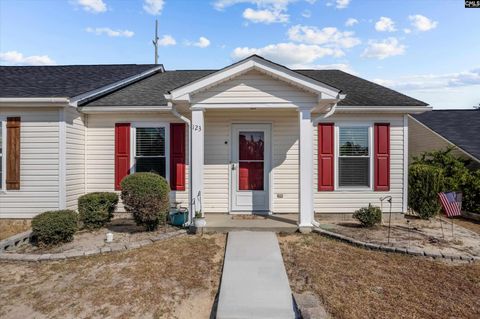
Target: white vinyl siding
point(349, 200)
point(39, 166)
point(75, 156)
point(422, 139)
point(100, 149)
point(252, 88)
point(284, 176)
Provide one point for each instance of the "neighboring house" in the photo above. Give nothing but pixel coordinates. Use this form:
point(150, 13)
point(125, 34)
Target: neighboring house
point(259, 136)
point(440, 129)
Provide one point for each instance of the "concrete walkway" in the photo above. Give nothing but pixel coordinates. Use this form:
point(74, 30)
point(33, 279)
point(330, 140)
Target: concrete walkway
point(254, 280)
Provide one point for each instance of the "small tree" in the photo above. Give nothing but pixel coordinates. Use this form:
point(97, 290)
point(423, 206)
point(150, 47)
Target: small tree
point(424, 184)
point(145, 196)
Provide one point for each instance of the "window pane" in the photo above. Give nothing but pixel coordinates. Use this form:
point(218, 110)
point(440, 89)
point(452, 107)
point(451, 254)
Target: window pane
point(250, 176)
point(354, 141)
point(251, 145)
point(150, 141)
point(354, 171)
point(151, 165)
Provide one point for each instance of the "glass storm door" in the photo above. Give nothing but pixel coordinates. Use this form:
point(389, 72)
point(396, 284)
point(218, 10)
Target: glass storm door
point(250, 167)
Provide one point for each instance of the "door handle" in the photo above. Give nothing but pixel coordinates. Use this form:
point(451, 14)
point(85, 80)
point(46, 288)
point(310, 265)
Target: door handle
point(233, 166)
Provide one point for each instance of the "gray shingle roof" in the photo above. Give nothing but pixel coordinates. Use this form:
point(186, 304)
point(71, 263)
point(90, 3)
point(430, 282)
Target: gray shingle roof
point(359, 92)
point(149, 91)
point(63, 81)
point(461, 127)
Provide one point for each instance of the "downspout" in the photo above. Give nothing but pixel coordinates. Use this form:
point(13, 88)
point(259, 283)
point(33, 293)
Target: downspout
point(190, 198)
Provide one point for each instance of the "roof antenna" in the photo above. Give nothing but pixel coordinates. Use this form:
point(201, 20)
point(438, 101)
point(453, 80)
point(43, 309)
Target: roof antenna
point(155, 41)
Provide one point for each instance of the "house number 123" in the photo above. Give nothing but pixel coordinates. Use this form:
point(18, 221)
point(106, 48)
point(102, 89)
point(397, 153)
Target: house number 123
point(197, 128)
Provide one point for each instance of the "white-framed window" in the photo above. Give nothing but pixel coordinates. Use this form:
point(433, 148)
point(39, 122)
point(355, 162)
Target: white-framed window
point(150, 148)
point(354, 156)
point(3, 152)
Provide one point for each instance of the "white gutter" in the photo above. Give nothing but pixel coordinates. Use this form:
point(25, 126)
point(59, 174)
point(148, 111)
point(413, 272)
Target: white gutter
point(190, 198)
point(34, 101)
point(124, 109)
point(110, 87)
point(384, 109)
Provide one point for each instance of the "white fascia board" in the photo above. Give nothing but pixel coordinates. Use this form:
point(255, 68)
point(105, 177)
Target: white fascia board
point(182, 93)
point(383, 109)
point(34, 102)
point(110, 87)
point(124, 109)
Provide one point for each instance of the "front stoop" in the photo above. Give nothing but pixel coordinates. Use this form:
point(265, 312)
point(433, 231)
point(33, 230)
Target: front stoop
point(254, 280)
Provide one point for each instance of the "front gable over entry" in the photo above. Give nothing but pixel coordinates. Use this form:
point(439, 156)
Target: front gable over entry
point(258, 69)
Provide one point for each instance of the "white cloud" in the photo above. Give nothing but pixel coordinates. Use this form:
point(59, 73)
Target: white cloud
point(433, 81)
point(265, 16)
point(422, 23)
point(306, 13)
point(351, 22)
point(383, 49)
point(385, 24)
point(266, 11)
point(201, 43)
point(329, 36)
point(153, 7)
point(342, 4)
point(289, 54)
point(95, 6)
point(110, 32)
point(167, 40)
point(407, 31)
point(17, 58)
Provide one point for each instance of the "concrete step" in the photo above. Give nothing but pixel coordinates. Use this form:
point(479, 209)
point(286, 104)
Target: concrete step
point(254, 280)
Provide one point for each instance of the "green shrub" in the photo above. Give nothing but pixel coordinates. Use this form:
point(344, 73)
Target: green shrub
point(145, 195)
point(96, 209)
point(368, 216)
point(471, 193)
point(54, 227)
point(424, 184)
point(454, 168)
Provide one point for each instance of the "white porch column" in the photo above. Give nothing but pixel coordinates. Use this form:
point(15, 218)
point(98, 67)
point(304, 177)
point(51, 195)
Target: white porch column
point(197, 158)
point(306, 169)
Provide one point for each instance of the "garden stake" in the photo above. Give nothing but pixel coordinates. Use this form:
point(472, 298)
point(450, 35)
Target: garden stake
point(389, 199)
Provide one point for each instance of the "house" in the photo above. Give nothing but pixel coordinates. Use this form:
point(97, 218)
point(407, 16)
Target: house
point(441, 129)
point(260, 138)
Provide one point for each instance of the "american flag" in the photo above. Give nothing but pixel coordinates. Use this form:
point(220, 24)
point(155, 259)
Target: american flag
point(451, 202)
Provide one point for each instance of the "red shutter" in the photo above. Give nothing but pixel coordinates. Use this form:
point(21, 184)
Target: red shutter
point(177, 156)
point(122, 152)
point(325, 156)
point(382, 157)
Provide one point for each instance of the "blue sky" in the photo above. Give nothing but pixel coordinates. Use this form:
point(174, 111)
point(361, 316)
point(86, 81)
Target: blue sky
point(428, 49)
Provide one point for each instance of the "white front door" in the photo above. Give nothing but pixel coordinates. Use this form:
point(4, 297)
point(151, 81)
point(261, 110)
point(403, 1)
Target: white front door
point(251, 156)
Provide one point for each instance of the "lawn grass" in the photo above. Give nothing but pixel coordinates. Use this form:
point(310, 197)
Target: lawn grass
point(175, 278)
point(357, 283)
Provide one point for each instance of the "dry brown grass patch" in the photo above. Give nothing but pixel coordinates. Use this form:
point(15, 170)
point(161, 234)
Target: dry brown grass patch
point(148, 282)
point(10, 227)
point(357, 283)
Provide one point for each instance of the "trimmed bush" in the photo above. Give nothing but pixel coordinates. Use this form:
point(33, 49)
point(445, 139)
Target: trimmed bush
point(96, 209)
point(145, 196)
point(424, 184)
point(368, 216)
point(54, 227)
